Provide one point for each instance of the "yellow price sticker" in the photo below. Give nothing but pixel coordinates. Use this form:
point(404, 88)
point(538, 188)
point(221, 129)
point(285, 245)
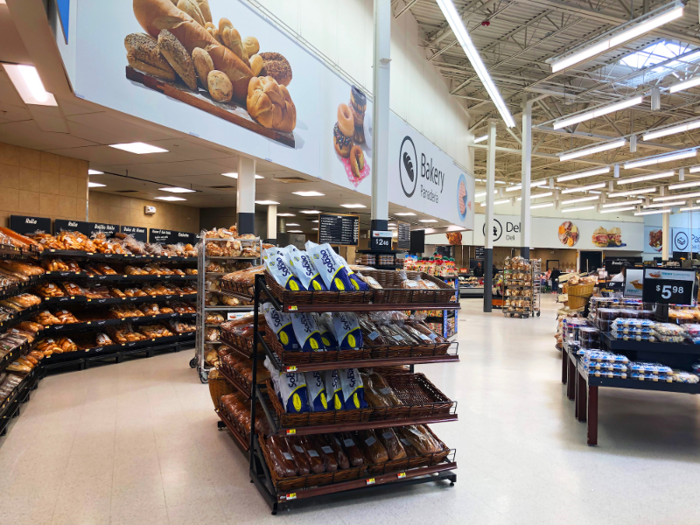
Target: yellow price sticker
point(291, 496)
point(293, 308)
point(291, 369)
point(291, 431)
point(401, 475)
point(371, 481)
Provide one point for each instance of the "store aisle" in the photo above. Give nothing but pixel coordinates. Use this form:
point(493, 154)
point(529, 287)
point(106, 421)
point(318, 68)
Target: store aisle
point(136, 443)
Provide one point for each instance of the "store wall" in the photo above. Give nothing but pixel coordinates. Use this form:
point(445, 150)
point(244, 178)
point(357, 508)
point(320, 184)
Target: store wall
point(128, 211)
point(210, 218)
point(567, 258)
point(41, 184)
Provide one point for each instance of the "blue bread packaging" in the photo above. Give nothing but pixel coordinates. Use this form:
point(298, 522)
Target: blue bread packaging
point(274, 261)
point(347, 330)
point(325, 327)
point(304, 269)
point(281, 324)
point(357, 283)
point(316, 389)
point(353, 388)
point(307, 333)
point(334, 389)
point(333, 272)
point(293, 392)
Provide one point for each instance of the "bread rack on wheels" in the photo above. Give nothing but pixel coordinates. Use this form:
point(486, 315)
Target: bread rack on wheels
point(281, 493)
point(521, 287)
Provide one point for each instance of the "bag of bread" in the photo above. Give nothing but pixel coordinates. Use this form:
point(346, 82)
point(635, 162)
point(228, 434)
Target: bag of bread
point(333, 441)
point(333, 273)
point(293, 392)
point(371, 447)
point(309, 450)
point(318, 402)
point(301, 460)
point(307, 333)
point(274, 262)
point(320, 445)
point(324, 322)
point(353, 389)
point(391, 443)
point(370, 281)
point(420, 439)
point(355, 455)
point(281, 325)
point(357, 283)
point(334, 389)
point(304, 269)
point(347, 330)
point(282, 459)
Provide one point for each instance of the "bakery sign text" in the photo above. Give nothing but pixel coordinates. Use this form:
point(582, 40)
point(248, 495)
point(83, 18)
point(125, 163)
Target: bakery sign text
point(432, 178)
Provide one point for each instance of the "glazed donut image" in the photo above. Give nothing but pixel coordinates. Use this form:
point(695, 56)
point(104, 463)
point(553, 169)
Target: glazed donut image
point(342, 142)
point(357, 161)
point(346, 123)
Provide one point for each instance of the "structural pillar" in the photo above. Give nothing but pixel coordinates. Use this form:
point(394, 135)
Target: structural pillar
point(525, 180)
point(380, 115)
point(272, 224)
point(666, 236)
point(488, 226)
point(245, 197)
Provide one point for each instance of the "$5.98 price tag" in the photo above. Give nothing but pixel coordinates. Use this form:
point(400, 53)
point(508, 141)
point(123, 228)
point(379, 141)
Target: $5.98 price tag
point(668, 286)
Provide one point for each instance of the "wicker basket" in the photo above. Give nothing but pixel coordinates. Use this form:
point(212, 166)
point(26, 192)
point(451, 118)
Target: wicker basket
point(245, 290)
point(297, 357)
point(579, 295)
point(419, 396)
point(288, 297)
point(392, 292)
point(218, 386)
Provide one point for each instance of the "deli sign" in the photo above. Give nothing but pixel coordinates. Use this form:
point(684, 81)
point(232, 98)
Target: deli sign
point(510, 229)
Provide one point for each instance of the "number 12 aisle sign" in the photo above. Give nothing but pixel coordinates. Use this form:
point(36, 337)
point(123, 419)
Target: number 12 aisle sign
point(668, 286)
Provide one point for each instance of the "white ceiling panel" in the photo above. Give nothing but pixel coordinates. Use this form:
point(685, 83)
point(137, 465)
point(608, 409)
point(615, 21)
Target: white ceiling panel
point(28, 135)
point(128, 131)
point(106, 156)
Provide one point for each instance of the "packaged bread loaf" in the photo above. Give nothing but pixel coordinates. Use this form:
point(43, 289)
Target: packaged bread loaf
point(422, 440)
point(371, 447)
point(282, 459)
point(355, 456)
point(391, 443)
point(299, 454)
point(312, 455)
point(328, 456)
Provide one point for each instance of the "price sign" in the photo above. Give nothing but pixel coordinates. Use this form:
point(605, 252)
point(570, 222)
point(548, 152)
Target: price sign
point(404, 239)
point(668, 286)
point(380, 241)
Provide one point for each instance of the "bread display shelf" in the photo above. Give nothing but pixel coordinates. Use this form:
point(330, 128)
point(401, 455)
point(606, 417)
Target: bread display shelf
point(116, 256)
point(11, 291)
point(21, 316)
point(120, 277)
point(242, 440)
point(97, 350)
point(10, 407)
point(81, 299)
point(87, 325)
point(12, 355)
point(227, 111)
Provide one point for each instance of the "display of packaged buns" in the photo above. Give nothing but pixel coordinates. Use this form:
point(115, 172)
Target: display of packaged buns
point(22, 268)
point(46, 318)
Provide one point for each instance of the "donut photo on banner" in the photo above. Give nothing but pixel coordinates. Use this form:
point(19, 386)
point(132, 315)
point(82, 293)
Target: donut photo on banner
point(349, 138)
point(463, 202)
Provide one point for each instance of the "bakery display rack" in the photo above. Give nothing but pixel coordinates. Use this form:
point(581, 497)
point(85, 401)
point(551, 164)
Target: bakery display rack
point(521, 287)
point(282, 493)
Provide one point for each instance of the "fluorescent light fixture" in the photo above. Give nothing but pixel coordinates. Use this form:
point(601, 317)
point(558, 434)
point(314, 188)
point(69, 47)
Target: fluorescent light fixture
point(681, 196)
point(682, 185)
point(310, 212)
point(615, 210)
point(694, 169)
point(315, 222)
point(598, 112)
point(595, 192)
point(140, 148)
point(234, 175)
point(690, 208)
point(455, 20)
point(546, 205)
point(308, 193)
point(581, 208)
point(392, 224)
point(408, 213)
point(582, 199)
point(681, 128)
point(353, 206)
point(651, 212)
point(481, 139)
point(502, 201)
point(535, 184)
point(631, 193)
point(583, 174)
point(641, 178)
point(482, 194)
point(538, 196)
point(427, 220)
point(95, 172)
point(663, 158)
point(96, 185)
point(267, 203)
point(295, 231)
point(681, 86)
point(177, 189)
point(315, 229)
point(170, 198)
point(622, 203)
point(665, 204)
point(591, 151)
point(292, 224)
point(631, 31)
point(29, 85)
point(595, 186)
point(286, 215)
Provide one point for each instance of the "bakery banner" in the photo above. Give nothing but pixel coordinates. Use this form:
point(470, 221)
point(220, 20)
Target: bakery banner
point(220, 71)
point(684, 240)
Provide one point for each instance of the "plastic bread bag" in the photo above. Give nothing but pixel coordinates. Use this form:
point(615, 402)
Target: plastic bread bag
point(372, 395)
point(282, 459)
point(304, 269)
point(334, 389)
point(318, 401)
point(325, 328)
point(312, 455)
point(347, 330)
point(328, 455)
point(274, 262)
point(306, 332)
point(382, 387)
point(334, 441)
point(293, 392)
point(371, 447)
point(301, 460)
point(353, 389)
point(353, 452)
point(420, 439)
point(333, 273)
point(357, 282)
point(370, 281)
point(281, 325)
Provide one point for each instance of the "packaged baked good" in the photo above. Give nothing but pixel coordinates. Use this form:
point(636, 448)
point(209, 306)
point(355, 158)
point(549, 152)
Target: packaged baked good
point(276, 265)
point(372, 447)
point(281, 325)
point(370, 281)
point(348, 334)
point(353, 388)
point(312, 455)
point(306, 332)
point(298, 452)
point(334, 389)
point(72, 289)
point(334, 273)
point(352, 450)
point(46, 318)
point(325, 450)
point(303, 268)
point(420, 439)
point(334, 442)
point(282, 459)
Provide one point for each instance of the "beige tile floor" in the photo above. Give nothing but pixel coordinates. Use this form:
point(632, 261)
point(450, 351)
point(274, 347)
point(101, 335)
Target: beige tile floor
point(136, 443)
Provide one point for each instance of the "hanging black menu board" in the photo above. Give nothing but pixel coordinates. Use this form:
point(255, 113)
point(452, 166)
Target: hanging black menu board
point(140, 234)
point(29, 225)
point(479, 252)
point(171, 237)
point(108, 229)
point(61, 225)
point(339, 229)
point(404, 241)
point(185, 238)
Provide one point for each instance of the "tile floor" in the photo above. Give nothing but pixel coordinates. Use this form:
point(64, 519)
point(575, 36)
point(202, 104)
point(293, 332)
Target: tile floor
point(136, 443)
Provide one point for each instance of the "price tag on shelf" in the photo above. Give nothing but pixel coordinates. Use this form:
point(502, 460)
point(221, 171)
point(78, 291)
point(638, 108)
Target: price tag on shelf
point(291, 369)
point(293, 308)
point(371, 481)
point(666, 286)
point(291, 431)
point(401, 475)
point(291, 496)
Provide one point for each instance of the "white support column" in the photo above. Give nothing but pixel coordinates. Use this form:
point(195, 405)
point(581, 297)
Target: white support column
point(666, 236)
point(380, 136)
point(488, 227)
point(245, 196)
point(526, 180)
point(272, 223)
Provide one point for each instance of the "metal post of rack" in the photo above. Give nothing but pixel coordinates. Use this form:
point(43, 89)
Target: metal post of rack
point(536, 286)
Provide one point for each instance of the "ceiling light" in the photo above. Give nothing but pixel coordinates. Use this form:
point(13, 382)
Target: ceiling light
point(585, 188)
point(268, 203)
point(583, 174)
point(502, 201)
point(663, 158)
point(353, 206)
point(170, 198)
point(427, 220)
point(176, 189)
point(315, 229)
point(535, 184)
point(582, 208)
point(598, 112)
point(95, 172)
point(234, 175)
point(482, 194)
point(690, 208)
point(651, 212)
point(292, 224)
point(665, 204)
point(29, 85)
point(408, 213)
point(546, 205)
point(641, 178)
point(481, 139)
point(694, 169)
point(538, 196)
point(392, 227)
point(315, 222)
point(591, 151)
point(582, 199)
point(140, 148)
point(96, 185)
point(308, 193)
point(295, 231)
point(681, 196)
point(310, 212)
point(687, 84)
point(615, 210)
point(632, 30)
point(684, 185)
point(681, 128)
point(595, 192)
point(457, 25)
point(631, 192)
point(286, 215)
point(622, 203)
